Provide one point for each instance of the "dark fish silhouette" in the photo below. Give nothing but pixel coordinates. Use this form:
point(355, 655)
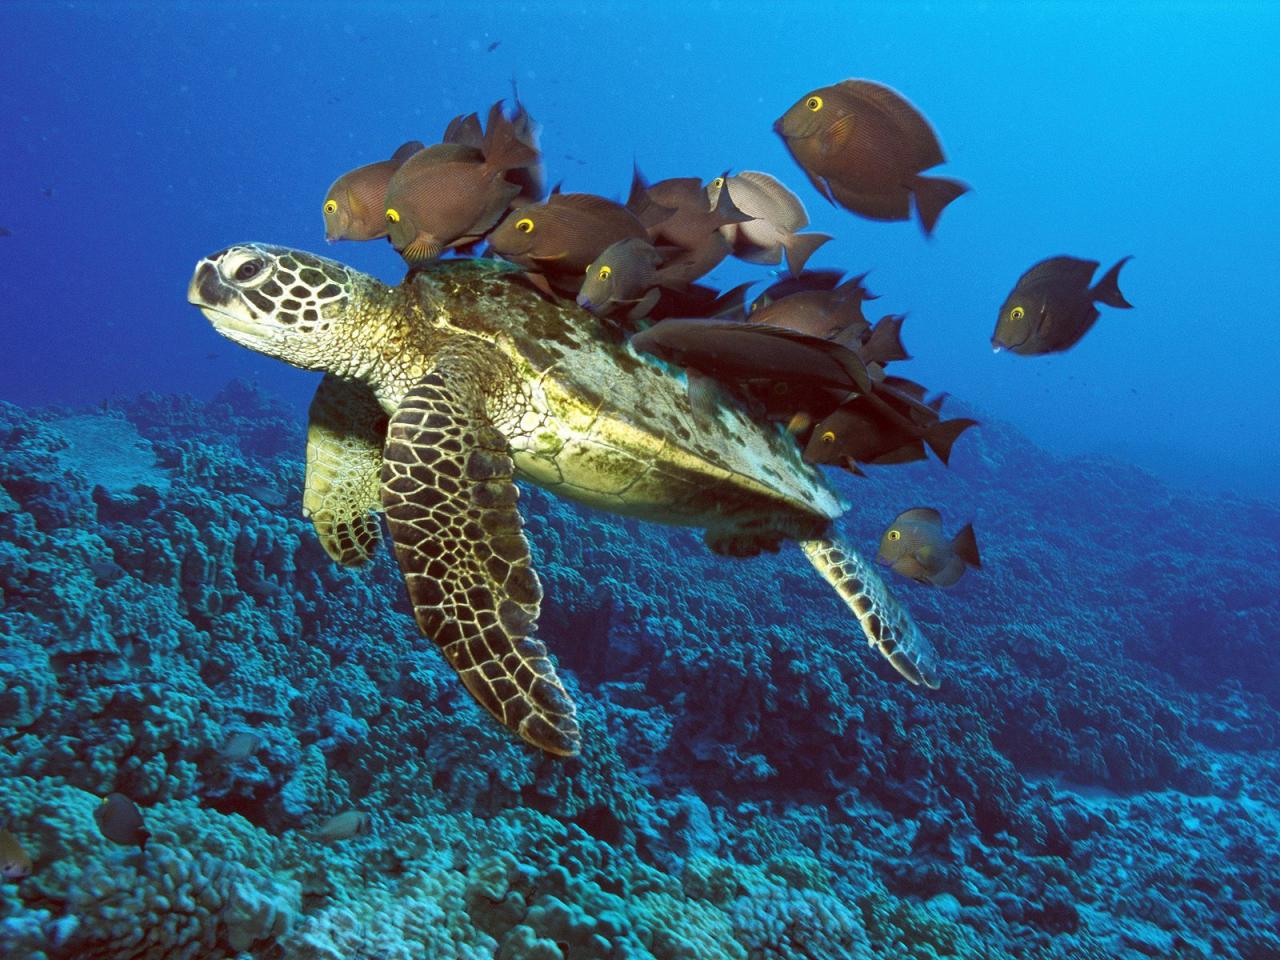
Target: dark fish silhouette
point(5, 232)
point(353, 206)
point(832, 313)
point(120, 821)
point(493, 46)
point(1052, 305)
point(915, 546)
point(864, 146)
point(734, 352)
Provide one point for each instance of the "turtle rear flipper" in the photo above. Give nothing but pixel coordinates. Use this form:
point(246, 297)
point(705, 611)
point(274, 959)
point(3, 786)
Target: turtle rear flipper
point(450, 500)
point(887, 624)
point(342, 492)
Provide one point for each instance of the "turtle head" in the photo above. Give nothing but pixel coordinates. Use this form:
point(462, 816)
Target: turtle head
point(285, 303)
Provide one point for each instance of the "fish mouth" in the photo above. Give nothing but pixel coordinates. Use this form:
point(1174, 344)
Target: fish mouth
point(777, 127)
point(584, 301)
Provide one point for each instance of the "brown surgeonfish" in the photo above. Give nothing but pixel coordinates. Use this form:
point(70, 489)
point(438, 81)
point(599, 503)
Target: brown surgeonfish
point(834, 313)
point(1052, 305)
point(892, 424)
point(353, 207)
point(777, 215)
point(452, 194)
point(676, 212)
point(915, 546)
point(15, 863)
point(627, 279)
point(733, 352)
point(120, 821)
point(864, 147)
point(560, 237)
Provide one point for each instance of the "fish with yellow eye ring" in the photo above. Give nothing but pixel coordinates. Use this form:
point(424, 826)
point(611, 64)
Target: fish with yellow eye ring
point(885, 426)
point(452, 194)
point(914, 546)
point(560, 237)
point(353, 205)
point(777, 217)
point(1052, 305)
point(865, 147)
point(628, 278)
point(676, 213)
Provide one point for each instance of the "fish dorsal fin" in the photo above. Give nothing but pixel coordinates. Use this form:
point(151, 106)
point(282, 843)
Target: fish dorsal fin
point(464, 129)
point(407, 150)
point(904, 116)
point(588, 202)
point(921, 515)
point(1066, 270)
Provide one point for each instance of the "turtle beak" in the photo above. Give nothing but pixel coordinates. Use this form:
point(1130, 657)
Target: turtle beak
point(206, 289)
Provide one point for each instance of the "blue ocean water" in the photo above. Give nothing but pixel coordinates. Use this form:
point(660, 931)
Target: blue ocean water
point(1096, 777)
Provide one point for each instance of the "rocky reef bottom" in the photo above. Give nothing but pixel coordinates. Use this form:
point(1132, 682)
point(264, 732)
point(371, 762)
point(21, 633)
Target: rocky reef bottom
point(1099, 775)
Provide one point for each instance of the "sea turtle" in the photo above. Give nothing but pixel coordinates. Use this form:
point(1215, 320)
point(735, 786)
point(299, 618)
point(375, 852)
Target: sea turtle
point(442, 391)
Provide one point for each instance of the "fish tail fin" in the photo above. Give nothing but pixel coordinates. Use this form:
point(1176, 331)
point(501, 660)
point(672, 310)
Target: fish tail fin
point(885, 343)
point(942, 436)
point(800, 247)
point(503, 147)
point(965, 546)
point(1107, 290)
point(932, 195)
point(885, 623)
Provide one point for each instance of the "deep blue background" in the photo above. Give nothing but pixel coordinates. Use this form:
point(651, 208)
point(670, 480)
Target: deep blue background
point(137, 137)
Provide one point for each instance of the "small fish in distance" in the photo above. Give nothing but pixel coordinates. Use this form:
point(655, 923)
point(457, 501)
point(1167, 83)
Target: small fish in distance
point(1052, 306)
point(915, 546)
point(15, 862)
point(864, 147)
point(120, 821)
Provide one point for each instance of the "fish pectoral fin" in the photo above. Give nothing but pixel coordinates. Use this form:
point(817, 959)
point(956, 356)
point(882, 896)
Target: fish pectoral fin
point(341, 493)
point(449, 493)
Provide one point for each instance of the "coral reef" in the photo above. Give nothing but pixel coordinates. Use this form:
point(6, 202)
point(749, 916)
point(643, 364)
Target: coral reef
point(1096, 776)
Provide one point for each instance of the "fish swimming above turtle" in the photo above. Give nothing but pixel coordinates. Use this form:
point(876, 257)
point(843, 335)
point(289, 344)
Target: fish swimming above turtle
point(1051, 307)
point(441, 392)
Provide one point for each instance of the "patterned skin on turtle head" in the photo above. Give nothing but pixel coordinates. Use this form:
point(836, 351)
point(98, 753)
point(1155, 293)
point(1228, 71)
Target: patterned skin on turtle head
point(278, 301)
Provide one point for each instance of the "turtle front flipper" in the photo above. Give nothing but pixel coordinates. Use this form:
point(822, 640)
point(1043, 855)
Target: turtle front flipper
point(450, 498)
point(887, 624)
point(342, 493)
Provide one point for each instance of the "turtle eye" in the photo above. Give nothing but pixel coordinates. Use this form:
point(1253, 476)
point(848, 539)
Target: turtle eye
point(718, 182)
point(248, 270)
point(895, 535)
point(605, 273)
point(814, 103)
point(1017, 313)
point(524, 225)
point(331, 206)
point(829, 437)
point(393, 215)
